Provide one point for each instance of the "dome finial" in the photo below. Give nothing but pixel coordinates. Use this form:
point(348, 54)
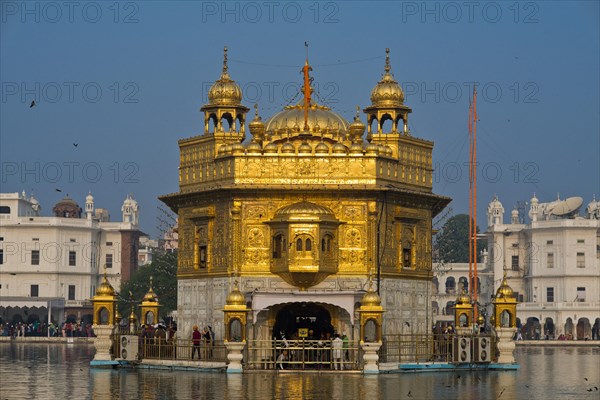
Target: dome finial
point(225, 60)
point(387, 60)
point(256, 111)
point(357, 113)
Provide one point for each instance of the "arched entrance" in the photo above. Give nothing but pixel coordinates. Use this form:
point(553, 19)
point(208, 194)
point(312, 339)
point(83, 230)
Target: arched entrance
point(533, 329)
point(311, 316)
point(569, 329)
point(584, 329)
point(549, 328)
point(596, 330)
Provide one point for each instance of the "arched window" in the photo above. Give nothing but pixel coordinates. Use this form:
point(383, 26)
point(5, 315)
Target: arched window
point(323, 247)
point(278, 246)
point(308, 246)
point(450, 285)
point(103, 316)
point(299, 244)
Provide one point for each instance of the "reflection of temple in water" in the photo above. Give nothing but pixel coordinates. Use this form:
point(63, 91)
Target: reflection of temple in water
point(304, 213)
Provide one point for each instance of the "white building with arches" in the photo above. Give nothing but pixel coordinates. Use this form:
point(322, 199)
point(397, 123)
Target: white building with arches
point(59, 259)
point(553, 265)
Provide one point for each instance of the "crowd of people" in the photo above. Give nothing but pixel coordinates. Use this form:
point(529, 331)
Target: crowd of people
point(42, 329)
point(326, 351)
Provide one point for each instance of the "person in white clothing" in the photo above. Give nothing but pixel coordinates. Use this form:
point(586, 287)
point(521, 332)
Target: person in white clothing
point(337, 345)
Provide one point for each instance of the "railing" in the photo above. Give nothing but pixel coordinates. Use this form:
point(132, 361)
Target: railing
point(302, 355)
point(182, 349)
point(423, 348)
point(174, 349)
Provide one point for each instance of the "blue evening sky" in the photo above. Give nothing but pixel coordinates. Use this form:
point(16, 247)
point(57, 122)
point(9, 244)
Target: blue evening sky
point(126, 80)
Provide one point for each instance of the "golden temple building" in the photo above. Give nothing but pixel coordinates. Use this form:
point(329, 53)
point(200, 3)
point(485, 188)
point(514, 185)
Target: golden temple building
point(304, 213)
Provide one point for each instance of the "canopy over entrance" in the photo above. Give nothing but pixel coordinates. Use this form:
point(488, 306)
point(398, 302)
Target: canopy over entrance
point(345, 300)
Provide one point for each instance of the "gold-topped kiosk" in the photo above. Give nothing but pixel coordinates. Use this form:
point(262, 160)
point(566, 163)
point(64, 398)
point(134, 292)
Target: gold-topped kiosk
point(463, 311)
point(505, 321)
point(104, 319)
point(371, 320)
point(236, 312)
point(505, 306)
point(149, 307)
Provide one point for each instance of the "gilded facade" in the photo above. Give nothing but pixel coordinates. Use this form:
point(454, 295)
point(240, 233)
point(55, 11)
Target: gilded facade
point(304, 209)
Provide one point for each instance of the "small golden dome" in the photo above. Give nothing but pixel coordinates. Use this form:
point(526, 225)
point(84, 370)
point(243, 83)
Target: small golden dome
point(288, 148)
point(480, 320)
point(237, 148)
point(322, 148)
point(150, 296)
point(504, 290)
point(225, 91)
point(105, 289)
point(304, 208)
point(339, 148)
point(132, 317)
point(357, 128)
point(257, 127)
point(356, 148)
point(463, 298)
point(254, 148)
point(271, 148)
point(235, 297)
point(372, 149)
point(304, 148)
point(118, 316)
point(371, 298)
point(387, 92)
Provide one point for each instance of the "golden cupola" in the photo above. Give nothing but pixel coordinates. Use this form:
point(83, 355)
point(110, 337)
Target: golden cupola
point(387, 92)
point(387, 103)
point(225, 104)
point(105, 289)
point(357, 128)
point(225, 91)
point(463, 298)
point(235, 297)
point(505, 291)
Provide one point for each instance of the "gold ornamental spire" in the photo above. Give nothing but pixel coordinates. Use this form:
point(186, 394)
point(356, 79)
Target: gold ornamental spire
point(307, 89)
point(224, 73)
point(387, 60)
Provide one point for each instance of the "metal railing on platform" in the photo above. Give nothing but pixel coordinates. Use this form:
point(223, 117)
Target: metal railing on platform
point(173, 349)
point(436, 348)
point(302, 355)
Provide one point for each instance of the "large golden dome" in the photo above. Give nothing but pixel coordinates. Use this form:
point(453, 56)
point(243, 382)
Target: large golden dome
point(387, 92)
point(320, 120)
point(225, 91)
